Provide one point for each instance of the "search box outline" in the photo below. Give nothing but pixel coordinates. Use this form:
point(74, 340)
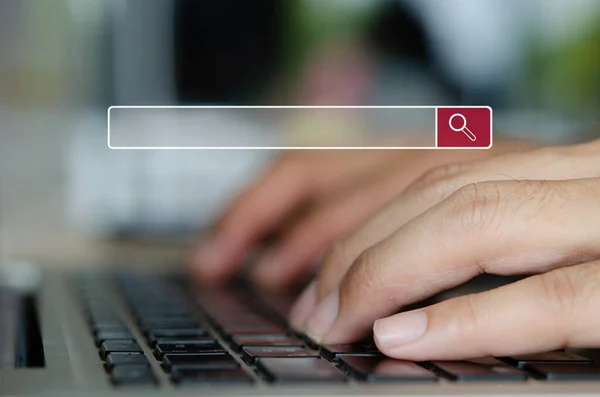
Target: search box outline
point(434, 108)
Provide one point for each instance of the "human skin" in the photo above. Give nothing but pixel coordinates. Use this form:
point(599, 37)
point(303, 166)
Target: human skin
point(310, 200)
point(533, 213)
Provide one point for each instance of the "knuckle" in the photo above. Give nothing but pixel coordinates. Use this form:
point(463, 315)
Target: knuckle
point(570, 296)
point(365, 274)
point(439, 182)
point(441, 173)
point(477, 205)
point(472, 316)
point(559, 289)
point(335, 261)
point(336, 256)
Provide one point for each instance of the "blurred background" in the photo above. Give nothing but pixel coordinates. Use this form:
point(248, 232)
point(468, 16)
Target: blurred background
point(64, 194)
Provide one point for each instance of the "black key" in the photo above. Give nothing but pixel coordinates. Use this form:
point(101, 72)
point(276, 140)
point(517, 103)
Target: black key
point(484, 370)
point(381, 369)
point(281, 304)
point(252, 329)
point(332, 352)
point(290, 370)
point(568, 371)
point(166, 323)
point(592, 354)
point(186, 347)
point(199, 361)
point(149, 312)
point(127, 375)
point(551, 357)
point(174, 333)
point(119, 346)
point(109, 335)
point(194, 376)
point(235, 318)
point(113, 359)
point(237, 341)
point(188, 340)
point(166, 315)
point(250, 353)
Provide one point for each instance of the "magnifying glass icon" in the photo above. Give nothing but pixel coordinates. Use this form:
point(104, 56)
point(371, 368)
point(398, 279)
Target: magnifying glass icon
point(463, 126)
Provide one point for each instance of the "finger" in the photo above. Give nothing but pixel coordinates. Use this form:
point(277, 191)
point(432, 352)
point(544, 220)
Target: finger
point(505, 227)
point(254, 213)
point(334, 217)
point(500, 322)
point(438, 184)
point(292, 181)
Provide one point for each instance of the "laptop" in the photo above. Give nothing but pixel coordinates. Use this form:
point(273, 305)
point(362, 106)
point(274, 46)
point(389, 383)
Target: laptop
point(157, 333)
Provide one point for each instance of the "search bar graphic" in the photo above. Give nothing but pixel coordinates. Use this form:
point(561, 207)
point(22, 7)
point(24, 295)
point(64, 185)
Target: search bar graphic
point(463, 127)
point(297, 127)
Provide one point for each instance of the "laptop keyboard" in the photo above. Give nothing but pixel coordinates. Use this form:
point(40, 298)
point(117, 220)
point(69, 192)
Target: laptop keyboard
point(200, 336)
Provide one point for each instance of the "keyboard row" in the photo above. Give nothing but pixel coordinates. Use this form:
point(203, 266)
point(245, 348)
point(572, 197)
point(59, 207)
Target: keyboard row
point(124, 360)
point(184, 329)
point(262, 339)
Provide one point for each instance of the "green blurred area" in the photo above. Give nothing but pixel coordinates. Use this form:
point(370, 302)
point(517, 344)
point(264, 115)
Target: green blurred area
point(53, 55)
point(566, 76)
point(315, 24)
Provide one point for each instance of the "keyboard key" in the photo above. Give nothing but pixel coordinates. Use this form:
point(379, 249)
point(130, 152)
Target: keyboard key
point(592, 354)
point(551, 357)
point(238, 318)
point(291, 370)
point(281, 304)
point(113, 359)
point(190, 340)
point(250, 353)
point(119, 346)
point(196, 376)
point(174, 333)
point(154, 312)
point(206, 340)
point(186, 347)
point(166, 323)
point(568, 370)
point(256, 329)
point(132, 375)
point(485, 370)
point(199, 361)
point(381, 369)
point(332, 352)
point(237, 341)
point(111, 335)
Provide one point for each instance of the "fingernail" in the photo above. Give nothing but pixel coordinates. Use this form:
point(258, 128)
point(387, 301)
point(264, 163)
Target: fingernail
point(323, 317)
point(303, 306)
point(400, 329)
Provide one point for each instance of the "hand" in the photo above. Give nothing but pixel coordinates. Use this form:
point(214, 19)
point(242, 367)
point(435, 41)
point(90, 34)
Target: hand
point(536, 212)
point(311, 199)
